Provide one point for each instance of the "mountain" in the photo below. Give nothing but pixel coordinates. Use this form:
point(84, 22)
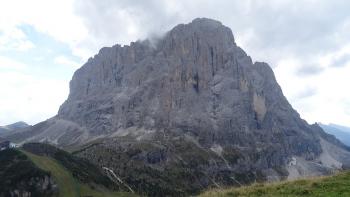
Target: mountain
point(190, 110)
point(340, 127)
point(2, 129)
point(340, 132)
point(43, 170)
point(14, 126)
point(17, 125)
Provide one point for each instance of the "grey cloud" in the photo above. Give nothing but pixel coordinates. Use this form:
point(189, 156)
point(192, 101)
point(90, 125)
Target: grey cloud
point(111, 22)
point(270, 30)
point(305, 93)
point(307, 70)
point(340, 61)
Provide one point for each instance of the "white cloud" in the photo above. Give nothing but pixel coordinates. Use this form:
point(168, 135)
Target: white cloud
point(9, 64)
point(326, 96)
point(14, 39)
point(54, 18)
point(63, 60)
point(29, 98)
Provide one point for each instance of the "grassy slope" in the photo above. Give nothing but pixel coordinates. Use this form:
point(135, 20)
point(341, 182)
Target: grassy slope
point(18, 172)
point(332, 186)
point(68, 186)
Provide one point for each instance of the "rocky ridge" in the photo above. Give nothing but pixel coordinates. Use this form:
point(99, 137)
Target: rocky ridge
point(14, 126)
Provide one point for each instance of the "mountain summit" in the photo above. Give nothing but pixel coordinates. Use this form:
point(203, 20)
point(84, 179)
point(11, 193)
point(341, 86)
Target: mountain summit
point(184, 113)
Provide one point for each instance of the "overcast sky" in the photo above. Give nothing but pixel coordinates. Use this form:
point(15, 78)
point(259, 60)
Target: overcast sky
point(42, 43)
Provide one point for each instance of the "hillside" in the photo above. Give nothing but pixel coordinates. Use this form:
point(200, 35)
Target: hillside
point(330, 186)
point(70, 176)
point(20, 176)
point(340, 132)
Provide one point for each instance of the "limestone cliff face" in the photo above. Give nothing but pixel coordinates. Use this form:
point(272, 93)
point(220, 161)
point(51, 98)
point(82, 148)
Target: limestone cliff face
point(191, 94)
point(194, 80)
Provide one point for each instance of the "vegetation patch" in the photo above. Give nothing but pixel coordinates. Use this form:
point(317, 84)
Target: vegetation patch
point(19, 175)
point(75, 176)
point(332, 186)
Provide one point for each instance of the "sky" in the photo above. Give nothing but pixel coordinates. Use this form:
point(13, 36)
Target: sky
point(43, 42)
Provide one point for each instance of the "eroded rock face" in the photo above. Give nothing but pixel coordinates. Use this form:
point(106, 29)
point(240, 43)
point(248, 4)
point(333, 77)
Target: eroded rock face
point(192, 86)
point(195, 80)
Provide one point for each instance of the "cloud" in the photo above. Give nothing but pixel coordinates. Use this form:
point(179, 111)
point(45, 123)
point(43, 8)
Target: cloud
point(318, 98)
point(305, 93)
point(54, 18)
point(9, 64)
point(63, 60)
point(28, 97)
point(283, 26)
point(14, 39)
point(341, 61)
point(110, 22)
point(309, 70)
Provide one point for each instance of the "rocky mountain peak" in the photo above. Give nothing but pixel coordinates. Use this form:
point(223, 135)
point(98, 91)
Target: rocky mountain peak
point(207, 29)
point(14, 126)
point(206, 23)
point(201, 33)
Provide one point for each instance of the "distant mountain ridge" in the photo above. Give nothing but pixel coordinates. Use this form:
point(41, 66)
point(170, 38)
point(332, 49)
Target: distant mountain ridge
point(340, 127)
point(340, 132)
point(14, 126)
